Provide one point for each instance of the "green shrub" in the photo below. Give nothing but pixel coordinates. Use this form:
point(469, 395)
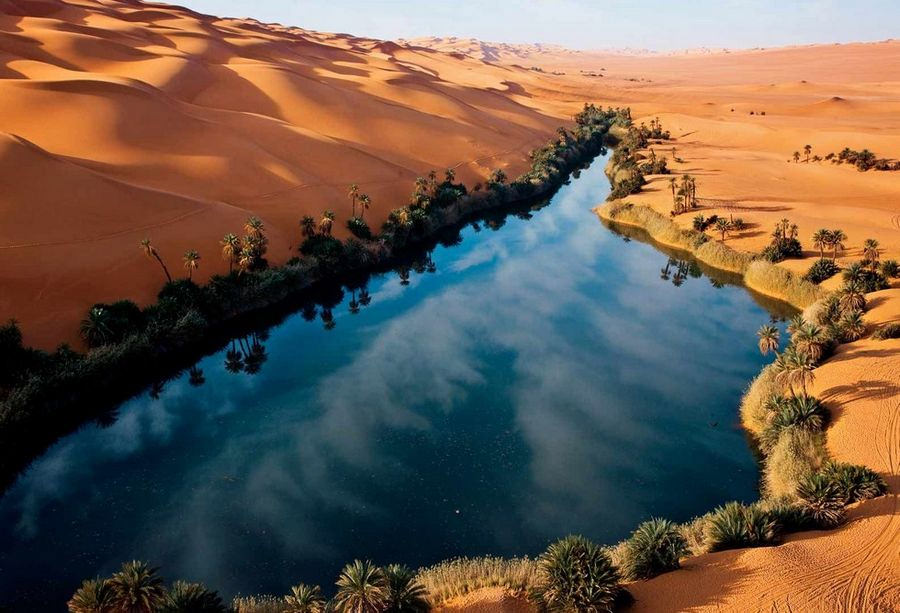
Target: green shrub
point(654, 548)
point(782, 249)
point(575, 574)
point(734, 525)
point(799, 412)
point(855, 482)
point(821, 270)
point(304, 599)
point(891, 330)
point(405, 593)
point(789, 514)
point(823, 499)
point(890, 269)
point(359, 228)
point(192, 598)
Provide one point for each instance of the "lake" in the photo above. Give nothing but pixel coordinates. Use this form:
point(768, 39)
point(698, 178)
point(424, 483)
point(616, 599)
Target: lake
point(544, 376)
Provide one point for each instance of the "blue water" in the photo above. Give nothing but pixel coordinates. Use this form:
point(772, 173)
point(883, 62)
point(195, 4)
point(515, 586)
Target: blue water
point(543, 377)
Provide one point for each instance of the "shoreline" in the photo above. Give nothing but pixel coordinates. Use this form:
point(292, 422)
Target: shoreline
point(49, 404)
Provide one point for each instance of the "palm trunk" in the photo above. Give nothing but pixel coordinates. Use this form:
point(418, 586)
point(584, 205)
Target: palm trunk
point(165, 270)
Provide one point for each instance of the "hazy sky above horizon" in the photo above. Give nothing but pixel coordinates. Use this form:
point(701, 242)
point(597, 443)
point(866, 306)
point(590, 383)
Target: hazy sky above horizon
point(586, 24)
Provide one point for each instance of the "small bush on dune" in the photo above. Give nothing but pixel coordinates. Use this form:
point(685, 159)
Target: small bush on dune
point(887, 331)
point(575, 574)
point(855, 482)
point(788, 513)
point(890, 269)
point(802, 413)
point(822, 499)
point(820, 271)
point(654, 548)
point(735, 525)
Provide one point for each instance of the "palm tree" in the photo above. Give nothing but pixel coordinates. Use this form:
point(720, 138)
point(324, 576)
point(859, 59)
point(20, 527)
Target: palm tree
point(821, 239)
point(304, 599)
point(254, 227)
point(231, 248)
point(246, 259)
point(94, 596)
point(196, 377)
point(723, 226)
point(837, 242)
point(796, 156)
point(364, 202)
point(405, 594)
point(187, 597)
point(362, 588)
point(673, 183)
point(326, 223)
point(769, 339)
point(810, 340)
point(96, 327)
point(853, 325)
point(852, 298)
point(191, 262)
point(807, 149)
point(794, 367)
point(796, 324)
point(151, 251)
point(137, 589)
point(450, 175)
point(353, 194)
point(308, 223)
point(854, 273)
point(870, 252)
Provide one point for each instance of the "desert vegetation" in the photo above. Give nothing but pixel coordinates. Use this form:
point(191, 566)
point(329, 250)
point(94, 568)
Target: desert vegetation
point(863, 160)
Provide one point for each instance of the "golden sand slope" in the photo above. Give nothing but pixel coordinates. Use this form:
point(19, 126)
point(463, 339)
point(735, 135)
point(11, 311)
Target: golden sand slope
point(829, 97)
point(120, 120)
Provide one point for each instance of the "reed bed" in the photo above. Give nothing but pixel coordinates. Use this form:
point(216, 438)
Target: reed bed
point(259, 604)
point(754, 414)
point(460, 576)
point(767, 278)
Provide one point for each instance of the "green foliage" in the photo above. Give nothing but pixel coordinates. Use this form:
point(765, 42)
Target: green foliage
point(362, 588)
point(822, 269)
point(627, 186)
point(798, 412)
point(192, 598)
point(94, 596)
point(735, 525)
point(304, 599)
point(890, 269)
point(782, 249)
point(655, 547)
point(886, 331)
point(575, 574)
point(854, 482)
point(137, 588)
point(405, 593)
point(823, 499)
point(359, 228)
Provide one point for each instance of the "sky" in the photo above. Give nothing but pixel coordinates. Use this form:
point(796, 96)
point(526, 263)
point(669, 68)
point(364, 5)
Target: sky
point(660, 25)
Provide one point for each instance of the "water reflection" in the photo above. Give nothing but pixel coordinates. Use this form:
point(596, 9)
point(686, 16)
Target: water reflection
point(476, 400)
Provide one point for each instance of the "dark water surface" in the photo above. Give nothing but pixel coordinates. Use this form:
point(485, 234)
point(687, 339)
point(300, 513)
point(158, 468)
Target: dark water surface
point(544, 378)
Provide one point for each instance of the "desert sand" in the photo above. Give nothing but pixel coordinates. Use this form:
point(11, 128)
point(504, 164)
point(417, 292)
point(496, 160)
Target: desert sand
point(125, 120)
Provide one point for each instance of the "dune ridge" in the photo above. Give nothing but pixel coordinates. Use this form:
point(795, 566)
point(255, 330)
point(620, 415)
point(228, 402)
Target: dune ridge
point(121, 119)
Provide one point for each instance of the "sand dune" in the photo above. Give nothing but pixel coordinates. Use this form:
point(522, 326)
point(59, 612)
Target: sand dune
point(121, 120)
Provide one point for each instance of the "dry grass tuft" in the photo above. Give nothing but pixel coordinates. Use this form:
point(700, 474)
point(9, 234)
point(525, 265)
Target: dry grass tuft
point(259, 604)
point(754, 414)
point(773, 280)
point(796, 454)
point(460, 576)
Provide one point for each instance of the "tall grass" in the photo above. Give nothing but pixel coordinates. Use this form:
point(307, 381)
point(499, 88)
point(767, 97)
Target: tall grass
point(259, 604)
point(460, 576)
point(759, 275)
point(754, 410)
point(796, 454)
